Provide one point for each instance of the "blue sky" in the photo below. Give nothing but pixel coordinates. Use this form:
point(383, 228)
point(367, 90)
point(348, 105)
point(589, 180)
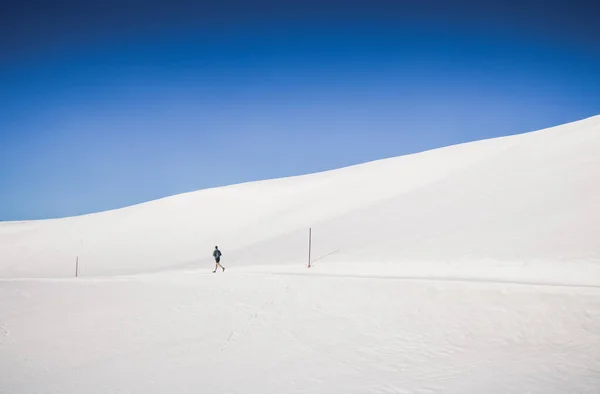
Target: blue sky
point(104, 106)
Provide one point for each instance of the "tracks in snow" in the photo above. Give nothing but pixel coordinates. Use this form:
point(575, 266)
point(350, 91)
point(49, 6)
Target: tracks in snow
point(399, 277)
point(456, 279)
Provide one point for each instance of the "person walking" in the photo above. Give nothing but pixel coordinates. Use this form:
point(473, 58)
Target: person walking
point(217, 255)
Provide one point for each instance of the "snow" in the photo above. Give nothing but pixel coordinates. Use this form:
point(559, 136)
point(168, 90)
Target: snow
point(256, 333)
point(464, 269)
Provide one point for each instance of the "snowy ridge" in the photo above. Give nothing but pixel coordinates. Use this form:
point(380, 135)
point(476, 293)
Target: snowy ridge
point(526, 198)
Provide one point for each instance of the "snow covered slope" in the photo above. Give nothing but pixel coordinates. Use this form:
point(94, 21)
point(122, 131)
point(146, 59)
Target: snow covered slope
point(469, 269)
point(530, 198)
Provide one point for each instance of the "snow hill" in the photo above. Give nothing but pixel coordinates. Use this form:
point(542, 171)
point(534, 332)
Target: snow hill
point(468, 269)
point(530, 198)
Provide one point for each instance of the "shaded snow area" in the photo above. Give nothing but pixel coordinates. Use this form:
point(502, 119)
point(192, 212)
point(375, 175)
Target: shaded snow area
point(468, 269)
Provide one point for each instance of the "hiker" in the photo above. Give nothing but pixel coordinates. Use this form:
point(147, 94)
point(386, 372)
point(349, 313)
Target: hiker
point(217, 255)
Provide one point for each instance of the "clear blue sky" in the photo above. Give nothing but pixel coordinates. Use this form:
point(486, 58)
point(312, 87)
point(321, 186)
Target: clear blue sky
point(117, 103)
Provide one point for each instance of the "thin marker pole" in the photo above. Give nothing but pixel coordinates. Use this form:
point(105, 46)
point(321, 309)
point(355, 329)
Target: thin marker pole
point(77, 267)
point(309, 244)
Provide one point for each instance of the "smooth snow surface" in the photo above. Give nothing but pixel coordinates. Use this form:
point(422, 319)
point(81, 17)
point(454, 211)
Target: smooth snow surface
point(255, 333)
point(468, 269)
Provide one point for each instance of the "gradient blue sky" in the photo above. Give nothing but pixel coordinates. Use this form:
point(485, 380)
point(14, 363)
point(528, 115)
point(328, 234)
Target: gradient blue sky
point(108, 104)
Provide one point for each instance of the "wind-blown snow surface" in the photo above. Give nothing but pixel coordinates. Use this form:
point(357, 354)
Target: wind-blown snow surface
point(248, 333)
point(465, 269)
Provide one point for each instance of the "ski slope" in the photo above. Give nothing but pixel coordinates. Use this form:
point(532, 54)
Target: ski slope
point(464, 269)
